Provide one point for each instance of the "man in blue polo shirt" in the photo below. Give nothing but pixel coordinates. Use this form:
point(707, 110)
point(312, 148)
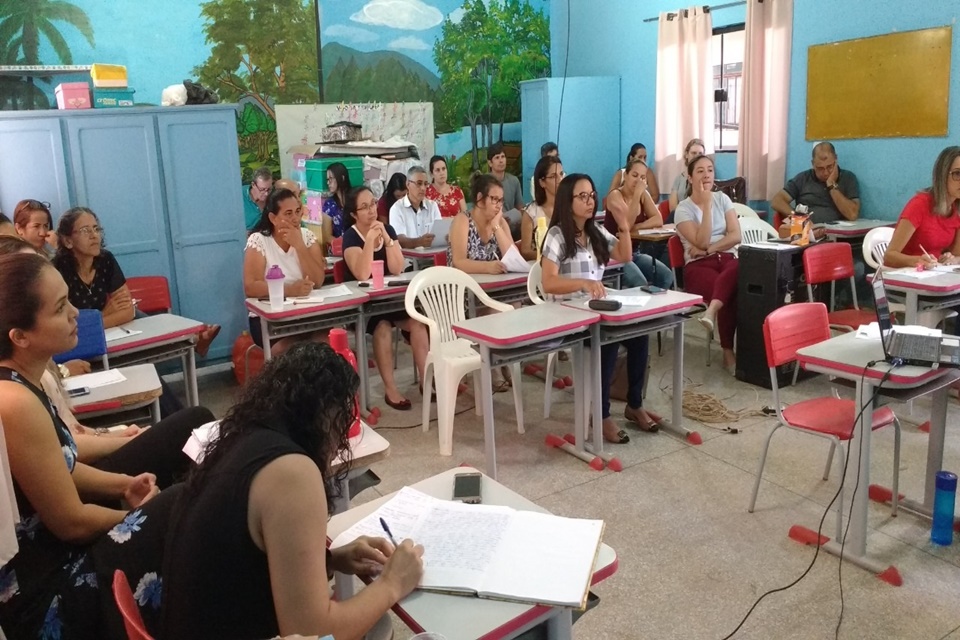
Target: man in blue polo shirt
point(255, 196)
point(831, 193)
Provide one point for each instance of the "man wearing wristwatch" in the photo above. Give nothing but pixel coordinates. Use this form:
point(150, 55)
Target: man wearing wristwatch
point(831, 193)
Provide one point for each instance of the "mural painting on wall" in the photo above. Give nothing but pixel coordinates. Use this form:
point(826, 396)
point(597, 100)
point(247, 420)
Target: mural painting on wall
point(22, 22)
point(262, 52)
point(467, 57)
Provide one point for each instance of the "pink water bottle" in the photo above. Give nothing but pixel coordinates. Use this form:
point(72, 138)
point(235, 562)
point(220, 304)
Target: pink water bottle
point(338, 341)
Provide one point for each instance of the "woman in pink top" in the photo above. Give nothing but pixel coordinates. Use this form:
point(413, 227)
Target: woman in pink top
point(449, 198)
point(929, 227)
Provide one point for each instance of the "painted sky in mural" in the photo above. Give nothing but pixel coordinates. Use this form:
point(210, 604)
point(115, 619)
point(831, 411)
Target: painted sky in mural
point(409, 27)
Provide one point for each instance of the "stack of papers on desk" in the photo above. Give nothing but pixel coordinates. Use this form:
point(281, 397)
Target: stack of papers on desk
point(94, 380)
point(491, 551)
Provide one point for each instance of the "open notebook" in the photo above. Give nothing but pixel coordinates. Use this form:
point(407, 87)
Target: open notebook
point(491, 551)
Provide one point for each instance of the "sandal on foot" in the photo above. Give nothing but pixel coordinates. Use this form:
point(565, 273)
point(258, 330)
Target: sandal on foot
point(707, 324)
point(637, 417)
point(403, 405)
point(621, 438)
point(206, 337)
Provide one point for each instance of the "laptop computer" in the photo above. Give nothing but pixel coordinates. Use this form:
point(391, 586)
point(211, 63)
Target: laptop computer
point(901, 345)
point(440, 231)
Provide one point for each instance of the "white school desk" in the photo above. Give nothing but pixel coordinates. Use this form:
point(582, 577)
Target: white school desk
point(432, 255)
point(661, 312)
point(465, 618)
point(853, 229)
point(940, 291)
point(846, 357)
point(162, 337)
point(522, 334)
point(140, 389)
point(512, 287)
point(297, 319)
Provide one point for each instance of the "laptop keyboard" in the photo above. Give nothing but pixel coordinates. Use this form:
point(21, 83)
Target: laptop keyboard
point(912, 347)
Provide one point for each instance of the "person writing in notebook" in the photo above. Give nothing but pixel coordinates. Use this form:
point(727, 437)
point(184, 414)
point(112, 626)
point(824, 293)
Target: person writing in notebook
point(574, 256)
point(247, 556)
point(413, 215)
point(928, 230)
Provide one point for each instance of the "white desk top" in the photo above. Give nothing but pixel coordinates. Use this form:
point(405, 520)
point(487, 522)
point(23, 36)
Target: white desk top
point(489, 281)
point(294, 308)
point(423, 252)
point(141, 379)
point(845, 356)
point(525, 325)
point(386, 291)
point(941, 284)
point(154, 330)
point(858, 227)
point(458, 617)
point(657, 305)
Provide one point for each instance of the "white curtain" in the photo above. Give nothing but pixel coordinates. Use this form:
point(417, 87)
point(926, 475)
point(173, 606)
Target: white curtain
point(684, 88)
point(762, 158)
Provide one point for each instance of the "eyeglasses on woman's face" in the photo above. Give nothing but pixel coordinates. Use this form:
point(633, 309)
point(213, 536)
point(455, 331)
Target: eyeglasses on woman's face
point(955, 175)
point(89, 230)
point(366, 206)
point(496, 201)
point(586, 196)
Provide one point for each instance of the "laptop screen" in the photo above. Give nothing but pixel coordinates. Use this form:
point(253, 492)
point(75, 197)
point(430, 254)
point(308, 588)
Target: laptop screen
point(883, 312)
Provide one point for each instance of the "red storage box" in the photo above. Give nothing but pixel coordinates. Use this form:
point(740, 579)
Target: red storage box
point(73, 95)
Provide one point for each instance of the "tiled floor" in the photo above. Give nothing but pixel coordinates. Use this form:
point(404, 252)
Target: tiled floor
point(692, 560)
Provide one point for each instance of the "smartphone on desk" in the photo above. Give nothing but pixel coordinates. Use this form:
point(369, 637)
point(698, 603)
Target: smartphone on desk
point(466, 487)
point(78, 392)
point(652, 290)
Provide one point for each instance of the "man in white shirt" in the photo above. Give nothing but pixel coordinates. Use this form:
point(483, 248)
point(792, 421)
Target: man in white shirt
point(412, 216)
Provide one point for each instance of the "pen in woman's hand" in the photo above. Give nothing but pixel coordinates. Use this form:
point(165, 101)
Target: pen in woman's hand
point(383, 523)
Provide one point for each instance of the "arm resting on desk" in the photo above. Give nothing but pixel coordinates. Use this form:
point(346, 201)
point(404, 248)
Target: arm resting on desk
point(287, 519)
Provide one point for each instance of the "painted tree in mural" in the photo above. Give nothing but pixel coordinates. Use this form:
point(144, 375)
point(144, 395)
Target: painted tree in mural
point(22, 23)
point(482, 59)
point(263, 52)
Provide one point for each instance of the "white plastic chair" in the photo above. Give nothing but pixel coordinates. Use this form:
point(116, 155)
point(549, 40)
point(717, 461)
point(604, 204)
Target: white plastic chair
point(536, 295)
point(743, 211)
point(441, 293)
point(754, 230)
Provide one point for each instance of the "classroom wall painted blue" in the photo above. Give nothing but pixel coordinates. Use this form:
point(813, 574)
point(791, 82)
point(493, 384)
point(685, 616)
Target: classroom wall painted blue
point(610, 38)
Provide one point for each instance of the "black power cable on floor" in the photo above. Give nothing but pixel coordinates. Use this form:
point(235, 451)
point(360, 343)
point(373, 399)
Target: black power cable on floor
point(816, 553)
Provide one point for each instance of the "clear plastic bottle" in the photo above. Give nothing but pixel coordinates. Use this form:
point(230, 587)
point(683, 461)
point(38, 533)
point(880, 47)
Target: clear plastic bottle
point(338, 341)
point(944, 502)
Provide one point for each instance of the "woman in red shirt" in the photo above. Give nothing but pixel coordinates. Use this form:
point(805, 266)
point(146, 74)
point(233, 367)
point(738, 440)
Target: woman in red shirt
point(449, 198)
point(929, 227)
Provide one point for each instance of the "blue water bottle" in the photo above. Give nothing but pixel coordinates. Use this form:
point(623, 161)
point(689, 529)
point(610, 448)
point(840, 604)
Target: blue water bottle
point(943, 503)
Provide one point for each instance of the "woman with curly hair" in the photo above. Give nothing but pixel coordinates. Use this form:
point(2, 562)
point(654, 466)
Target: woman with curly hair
point(247, 556)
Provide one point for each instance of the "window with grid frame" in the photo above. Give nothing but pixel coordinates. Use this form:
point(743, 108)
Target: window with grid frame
point(727, 49)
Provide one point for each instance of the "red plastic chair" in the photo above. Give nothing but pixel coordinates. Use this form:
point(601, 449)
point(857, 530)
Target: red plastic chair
point(829, 262)
point(785, 331)
point(123, 596)
point(153, 292)
point(664, 208)
point(340, 273)
point(675, 255)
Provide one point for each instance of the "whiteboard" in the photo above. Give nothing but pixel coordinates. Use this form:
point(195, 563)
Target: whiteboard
point(299, 124)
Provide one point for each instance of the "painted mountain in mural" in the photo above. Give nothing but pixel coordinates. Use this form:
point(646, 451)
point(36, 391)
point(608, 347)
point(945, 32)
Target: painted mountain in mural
point(378, 76)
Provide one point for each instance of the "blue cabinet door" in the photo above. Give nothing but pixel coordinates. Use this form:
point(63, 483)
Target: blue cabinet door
point(31, 164)
point(201, 173)
point(116, 170)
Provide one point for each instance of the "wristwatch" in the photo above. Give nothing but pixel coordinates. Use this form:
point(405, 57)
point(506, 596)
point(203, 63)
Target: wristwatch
point(64, 371)
point(832, 186)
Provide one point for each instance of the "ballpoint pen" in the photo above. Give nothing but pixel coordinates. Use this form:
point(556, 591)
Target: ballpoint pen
point(927, 255)
point(383, 523)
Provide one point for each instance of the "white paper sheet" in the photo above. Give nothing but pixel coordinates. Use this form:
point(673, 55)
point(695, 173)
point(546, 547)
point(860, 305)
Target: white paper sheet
point(319, 295)
point(911, 272)
point(630, 301)
point(119, 333)
point(93, 380)
point(869, 331)
point(514, 262)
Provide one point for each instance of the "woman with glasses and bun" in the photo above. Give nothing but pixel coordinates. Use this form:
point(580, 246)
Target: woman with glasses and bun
point(33, 223)
point(928, 231)
point(574, 256)
point(365, 240)
point(92, 274)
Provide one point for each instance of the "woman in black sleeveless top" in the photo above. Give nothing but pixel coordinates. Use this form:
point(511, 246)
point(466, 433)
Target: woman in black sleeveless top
point(246, 554)
point(50, 588)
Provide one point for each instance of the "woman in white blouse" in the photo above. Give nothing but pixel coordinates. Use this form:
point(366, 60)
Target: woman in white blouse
point(279, 240)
